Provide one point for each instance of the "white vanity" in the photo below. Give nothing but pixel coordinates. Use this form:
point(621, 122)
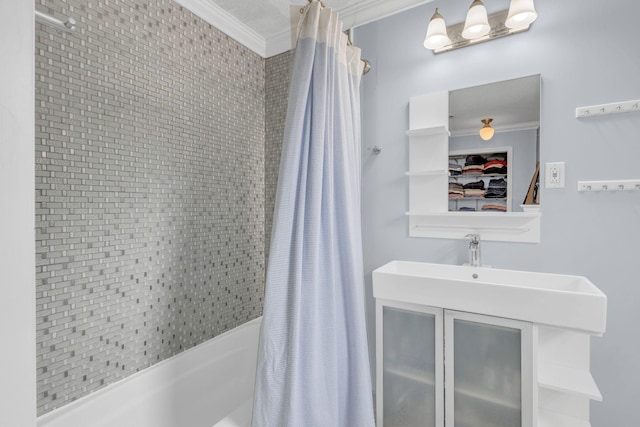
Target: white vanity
point(470, 346)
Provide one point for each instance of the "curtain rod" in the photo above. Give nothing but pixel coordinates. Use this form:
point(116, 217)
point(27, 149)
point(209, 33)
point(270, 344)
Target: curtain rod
point(67, 26)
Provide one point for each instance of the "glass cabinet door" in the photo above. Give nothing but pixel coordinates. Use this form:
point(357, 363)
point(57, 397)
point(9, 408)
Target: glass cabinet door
point(489, 371)
point(411, 367)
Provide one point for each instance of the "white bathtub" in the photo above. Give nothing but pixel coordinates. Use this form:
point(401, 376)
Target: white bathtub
point(210, 385)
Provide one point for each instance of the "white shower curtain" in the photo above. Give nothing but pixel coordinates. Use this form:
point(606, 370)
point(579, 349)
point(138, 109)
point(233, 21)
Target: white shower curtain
point(313, 363)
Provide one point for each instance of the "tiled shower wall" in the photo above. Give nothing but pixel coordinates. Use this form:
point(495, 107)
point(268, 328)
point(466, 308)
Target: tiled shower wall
point(278, 72)
point(150, 191)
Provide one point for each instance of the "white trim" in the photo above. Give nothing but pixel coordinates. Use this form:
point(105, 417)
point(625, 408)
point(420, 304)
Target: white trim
point(379, 364)
point(227, 23)
point(506, 128)
point(17, 220)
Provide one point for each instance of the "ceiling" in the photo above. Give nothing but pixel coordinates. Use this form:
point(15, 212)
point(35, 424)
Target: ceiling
point(269, 17)
point(264, 25)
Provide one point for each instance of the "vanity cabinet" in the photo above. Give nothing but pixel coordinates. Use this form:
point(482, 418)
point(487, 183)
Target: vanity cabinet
point(488, 376)
point(411, 366)
point(462, 346)
point(489, 371)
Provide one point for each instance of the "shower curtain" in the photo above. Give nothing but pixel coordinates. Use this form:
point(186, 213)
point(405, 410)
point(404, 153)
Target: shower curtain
point(313, 363)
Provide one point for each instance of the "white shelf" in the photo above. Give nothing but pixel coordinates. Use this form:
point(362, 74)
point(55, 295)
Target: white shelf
point(479, 175)
point(497, 226)
point(484, 199)
point(569, 380)
point(548, 419)
point(500, 215)
point(435, 172)
point(431, 131)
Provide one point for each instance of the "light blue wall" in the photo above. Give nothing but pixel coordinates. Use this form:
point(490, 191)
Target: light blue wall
point(587, 53)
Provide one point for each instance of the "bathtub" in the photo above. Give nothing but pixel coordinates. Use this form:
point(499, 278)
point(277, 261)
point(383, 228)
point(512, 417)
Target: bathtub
point(210, 385)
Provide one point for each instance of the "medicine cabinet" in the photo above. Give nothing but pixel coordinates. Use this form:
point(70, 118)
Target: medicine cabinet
point(432, 145)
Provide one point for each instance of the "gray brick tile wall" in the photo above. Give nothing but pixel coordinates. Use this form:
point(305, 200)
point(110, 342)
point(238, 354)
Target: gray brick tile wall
point(150, 190)
point(278, 72)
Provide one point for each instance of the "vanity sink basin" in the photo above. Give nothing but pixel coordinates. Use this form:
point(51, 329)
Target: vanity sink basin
point(549, 299)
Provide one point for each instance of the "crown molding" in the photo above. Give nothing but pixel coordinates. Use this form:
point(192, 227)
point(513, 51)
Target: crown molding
point(367, 11)
point(505, 128)
point(352, 16)
point(227, 23)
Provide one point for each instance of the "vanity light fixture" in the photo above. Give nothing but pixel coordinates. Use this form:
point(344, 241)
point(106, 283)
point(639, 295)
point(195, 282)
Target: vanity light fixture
point(437, 36)
point(479, 27)
point(486, 132)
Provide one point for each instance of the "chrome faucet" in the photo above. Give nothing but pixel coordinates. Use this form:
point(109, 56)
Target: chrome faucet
point(474, 250)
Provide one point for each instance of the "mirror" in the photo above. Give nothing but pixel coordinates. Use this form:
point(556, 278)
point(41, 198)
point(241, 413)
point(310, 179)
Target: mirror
point(499, 174)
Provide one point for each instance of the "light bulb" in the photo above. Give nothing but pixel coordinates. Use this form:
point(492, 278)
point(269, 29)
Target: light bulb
point(486, 133)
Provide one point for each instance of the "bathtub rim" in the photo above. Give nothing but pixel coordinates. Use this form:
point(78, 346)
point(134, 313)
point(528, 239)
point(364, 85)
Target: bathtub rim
point(58, 414)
